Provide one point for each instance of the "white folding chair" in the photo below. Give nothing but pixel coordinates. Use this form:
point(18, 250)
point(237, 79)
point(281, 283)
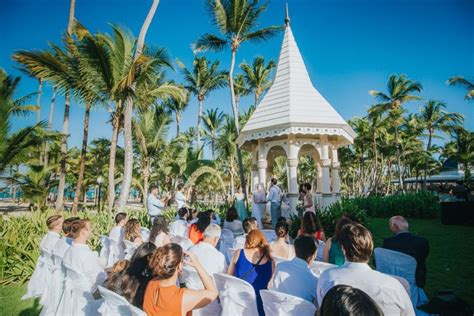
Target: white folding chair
point(130, 248)
point(270, 235)
point(403, 281)
point(77, 298)
point(281, 304)
point(113, 303)
point(190, 277)
point(319, 267)
point(402, 265)
point(319, 254)
point(135, 311)
point(104, 251)
point(145, 232)
point(41, 274)
point(237, 296)
point(279, 259)
point(226, 241)
point(55, 287)
point(184, 242)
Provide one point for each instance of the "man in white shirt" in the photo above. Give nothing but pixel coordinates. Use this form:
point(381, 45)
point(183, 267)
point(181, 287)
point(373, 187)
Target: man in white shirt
point(117, 233)
point(294, 276)
point(180, 226)
point(249, 224)
point(274, 197)
point(154, 204)
point(180, 197)
point(357, 245)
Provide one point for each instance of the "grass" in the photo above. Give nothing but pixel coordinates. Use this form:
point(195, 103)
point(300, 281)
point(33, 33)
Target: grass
point(450, 263)
point(451, 257)
point(12, 305)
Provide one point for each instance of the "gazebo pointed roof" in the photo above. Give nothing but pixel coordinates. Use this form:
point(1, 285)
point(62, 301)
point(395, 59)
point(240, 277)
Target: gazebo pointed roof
point(293, 105)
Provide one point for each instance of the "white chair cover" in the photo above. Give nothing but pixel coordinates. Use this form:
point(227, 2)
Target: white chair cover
point(319, 267)
point(404, 282)
point(226, 241)
point(116, 252)
point(184, 242)
point(281, 304)
point(279, 259)
point(145, 233)
point(237, 296)
point(55, 285)
point(270, 235)
point(113, 303)
point(319, 254)
point(104, 251)
point(77, 298)
point(40, 276)
point(130, 248)
point(135, 311)
point(402, 265)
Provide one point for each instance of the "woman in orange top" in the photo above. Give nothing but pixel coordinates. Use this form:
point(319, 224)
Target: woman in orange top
point(196, 230)
point(163, 297)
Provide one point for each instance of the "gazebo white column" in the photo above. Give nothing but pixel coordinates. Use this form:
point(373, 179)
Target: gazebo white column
point(254, 169)
point(335, 180)
point(325, 177)
point(262, 164)
point(292, 164)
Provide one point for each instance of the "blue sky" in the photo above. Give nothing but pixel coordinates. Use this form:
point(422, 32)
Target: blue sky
point(349, 47)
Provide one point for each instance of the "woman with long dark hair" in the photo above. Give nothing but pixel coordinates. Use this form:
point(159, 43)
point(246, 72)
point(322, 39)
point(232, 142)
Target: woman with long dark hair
point(311, 226)
point(132, 281)
point(159, 231)
point(196, 230)
point(332, 249)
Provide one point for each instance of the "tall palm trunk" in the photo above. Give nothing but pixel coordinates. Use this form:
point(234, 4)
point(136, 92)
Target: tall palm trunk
point(113, 151)
point(374, 149)
point(399, 163)
point(62, 175)
point(50, 123)
point(82, 161)
point(198, 127)
point(128, 163)
point(38, 100)
point(146, 177)
point(428, 146)
point(236, 122)
point(178, 120)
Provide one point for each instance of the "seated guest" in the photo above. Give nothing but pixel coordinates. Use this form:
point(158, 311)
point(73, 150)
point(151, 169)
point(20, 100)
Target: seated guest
point(215, 219)
point(332, 249)
point(162, 296)
point(159, 231)
point(407, 243)
point(254, 264)
point(180, 226)
point(80, 258)
point(281, 248)
point(249, 224)
point(38, 279)
point(117, 233)
point(64, 242)
point(232, 222)
point(311, 226)
point(211, 259)
point(132, 231)
point(386, 291)
point(197, 229)
point(295, 277)
point(344, 300)
point(132, 280)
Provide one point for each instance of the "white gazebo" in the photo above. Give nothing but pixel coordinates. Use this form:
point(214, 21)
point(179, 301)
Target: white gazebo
point(294, 119)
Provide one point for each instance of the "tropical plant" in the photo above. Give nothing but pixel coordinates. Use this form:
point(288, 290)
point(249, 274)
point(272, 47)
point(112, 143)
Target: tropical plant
point(202, 79)
point(468, 85)
point(462, 149)
point(257, 76)
point(178, 106)
point(236, 21)
point(213, 119)
point(36, 185)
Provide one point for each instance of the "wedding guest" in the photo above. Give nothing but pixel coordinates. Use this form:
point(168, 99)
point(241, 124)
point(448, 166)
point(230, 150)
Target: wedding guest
point(311, 226)
point(345, 300)
point(117, 233)
point(180, 226)
point(259, 204)
point(162, 296)
point(308, 203)
point(254, 264)
point(196, 230)
point(132, 231)
point(232, 222)
point(154, 204)
point(294, 276)
point(132, 280)
point(248, 225)
point(386, 291)
point(281, 248)
point(274, 197)
point(159, 231)
point(239, 204)
point(407, 243)
point(332, 249)
point(180, 197)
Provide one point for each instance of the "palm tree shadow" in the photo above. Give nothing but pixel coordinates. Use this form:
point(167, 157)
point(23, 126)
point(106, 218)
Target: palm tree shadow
point(33, 310)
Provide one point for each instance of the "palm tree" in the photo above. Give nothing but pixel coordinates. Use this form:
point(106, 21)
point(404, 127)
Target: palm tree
point(227, 150)
point(468, 85)
point(150, 132)
point(236, 21)
point(128, 112)
point(203, 78)
point(240, 89)
point(400, 90)
point(213, 119)
point(36, 185)
point(258, 76)
point(433, 118)
point(178, 106)
point(462, 149)
point(377, 125)
point(50, 124)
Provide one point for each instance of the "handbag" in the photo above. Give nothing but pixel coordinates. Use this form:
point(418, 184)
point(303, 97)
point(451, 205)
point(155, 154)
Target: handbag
point(254, 266)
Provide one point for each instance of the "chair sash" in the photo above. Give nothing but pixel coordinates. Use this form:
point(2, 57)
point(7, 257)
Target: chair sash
point(280, 304)
point(38, 280)
point(51, 297)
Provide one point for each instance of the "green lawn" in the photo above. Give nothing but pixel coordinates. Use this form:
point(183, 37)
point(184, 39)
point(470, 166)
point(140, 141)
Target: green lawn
point(451, 258)
point(450, 263)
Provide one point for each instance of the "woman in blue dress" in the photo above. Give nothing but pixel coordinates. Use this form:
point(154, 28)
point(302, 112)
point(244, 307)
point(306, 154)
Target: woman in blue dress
point(254, 264)
point(239, 204)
